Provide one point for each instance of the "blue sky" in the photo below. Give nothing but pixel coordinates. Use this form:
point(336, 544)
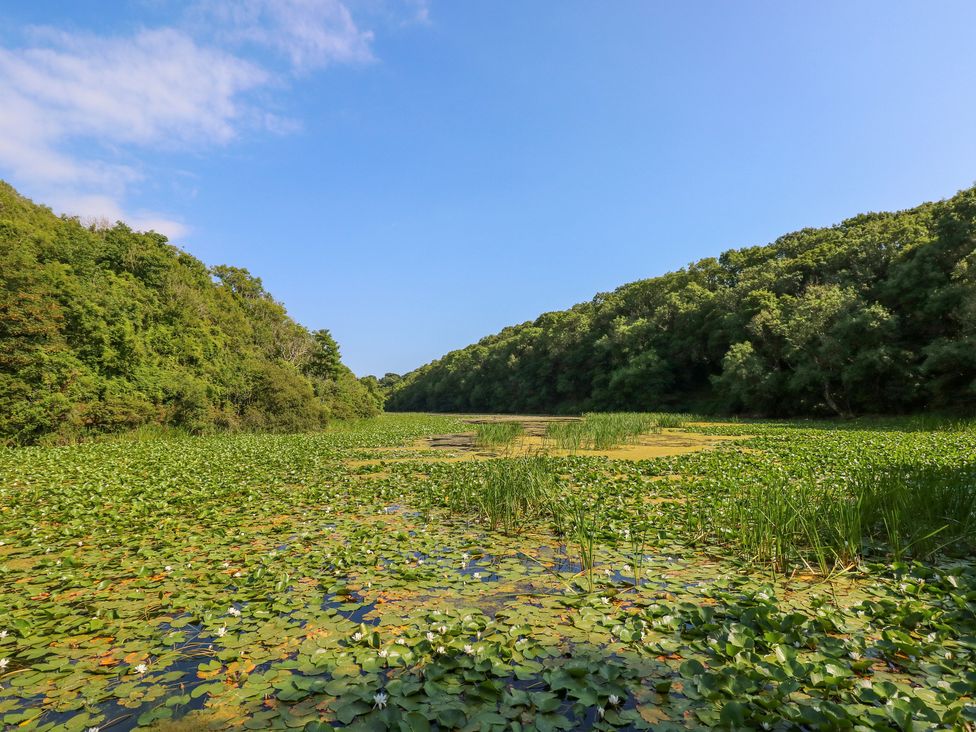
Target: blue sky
point(417, 174)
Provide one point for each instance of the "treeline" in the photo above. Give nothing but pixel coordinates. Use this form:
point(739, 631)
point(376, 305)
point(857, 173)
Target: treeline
point(103, 330)
point(875, 315)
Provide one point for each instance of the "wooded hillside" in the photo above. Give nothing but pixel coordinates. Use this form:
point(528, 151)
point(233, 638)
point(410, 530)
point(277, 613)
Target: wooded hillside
point(107, 329)
point(874, 315)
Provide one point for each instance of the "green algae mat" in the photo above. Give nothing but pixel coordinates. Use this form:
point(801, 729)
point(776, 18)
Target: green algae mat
point(322, 581)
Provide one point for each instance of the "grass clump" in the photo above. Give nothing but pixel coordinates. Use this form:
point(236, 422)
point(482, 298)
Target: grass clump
point(897, 511)
point(584, 526)
point(604, 431)
point(510, 494)
point(566, 435)
point(496, 434)
point(670, 420)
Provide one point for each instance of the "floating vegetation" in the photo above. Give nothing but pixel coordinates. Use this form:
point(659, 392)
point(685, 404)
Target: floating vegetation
point(796, 576)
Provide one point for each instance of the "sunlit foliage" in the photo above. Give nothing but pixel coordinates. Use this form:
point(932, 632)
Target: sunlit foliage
point(874, 315)
point(104, 330)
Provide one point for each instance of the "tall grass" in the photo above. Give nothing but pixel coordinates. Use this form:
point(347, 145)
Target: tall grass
point(566, 435)
point(606, 430)
point(495, 434)
point(510, 494)
point(584, 522)
point(895, 511)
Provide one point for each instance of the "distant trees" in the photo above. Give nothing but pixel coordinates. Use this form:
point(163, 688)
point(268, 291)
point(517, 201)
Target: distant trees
point(105, 329)
point(876, 314)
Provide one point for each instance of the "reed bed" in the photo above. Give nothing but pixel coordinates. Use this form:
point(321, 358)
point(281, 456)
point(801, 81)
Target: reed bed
point(509, 494)
point(497, 434)
point(604, 431)
point(893, 511)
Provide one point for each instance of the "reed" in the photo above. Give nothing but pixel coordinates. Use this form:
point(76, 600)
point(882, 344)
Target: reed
point(606, 430)
point(496, 434)
point(895, 511)
point(585, 523)
point(509, 494)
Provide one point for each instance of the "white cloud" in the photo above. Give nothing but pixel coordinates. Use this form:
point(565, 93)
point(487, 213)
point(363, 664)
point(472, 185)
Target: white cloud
point(311, 33)
point(76, 110)
point(151, 221)
point(158, 86)
point(106, 210)
point(158, 89)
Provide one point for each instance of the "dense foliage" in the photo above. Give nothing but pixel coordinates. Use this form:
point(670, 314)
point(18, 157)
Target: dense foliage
point(876, 314)
point(105, 329)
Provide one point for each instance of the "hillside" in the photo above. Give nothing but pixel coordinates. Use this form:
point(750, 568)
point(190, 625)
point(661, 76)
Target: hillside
point(876, 314)
point(103, 330)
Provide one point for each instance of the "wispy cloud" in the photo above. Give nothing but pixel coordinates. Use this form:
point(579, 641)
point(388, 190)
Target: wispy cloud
point(101, 209)
point(171, 88)
point(310, 33)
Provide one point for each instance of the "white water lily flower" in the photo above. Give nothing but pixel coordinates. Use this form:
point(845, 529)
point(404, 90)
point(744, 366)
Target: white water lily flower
point(401, 642)
point(441, 650)
point(167, 568)
point(614, 700)
point(628, 568)
point(234, 611)
point(222, 631)
point(477, 575)
point(442, 630)
point(383, 653)
point(3, 634)
point(469, 649)
point(141, 668)
point(430, 637)
point(357, 636)
point(600, 711)
point(379, 699)
point(3, 663)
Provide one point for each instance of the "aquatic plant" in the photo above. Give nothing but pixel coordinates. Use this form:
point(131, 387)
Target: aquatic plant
point(496, 434)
